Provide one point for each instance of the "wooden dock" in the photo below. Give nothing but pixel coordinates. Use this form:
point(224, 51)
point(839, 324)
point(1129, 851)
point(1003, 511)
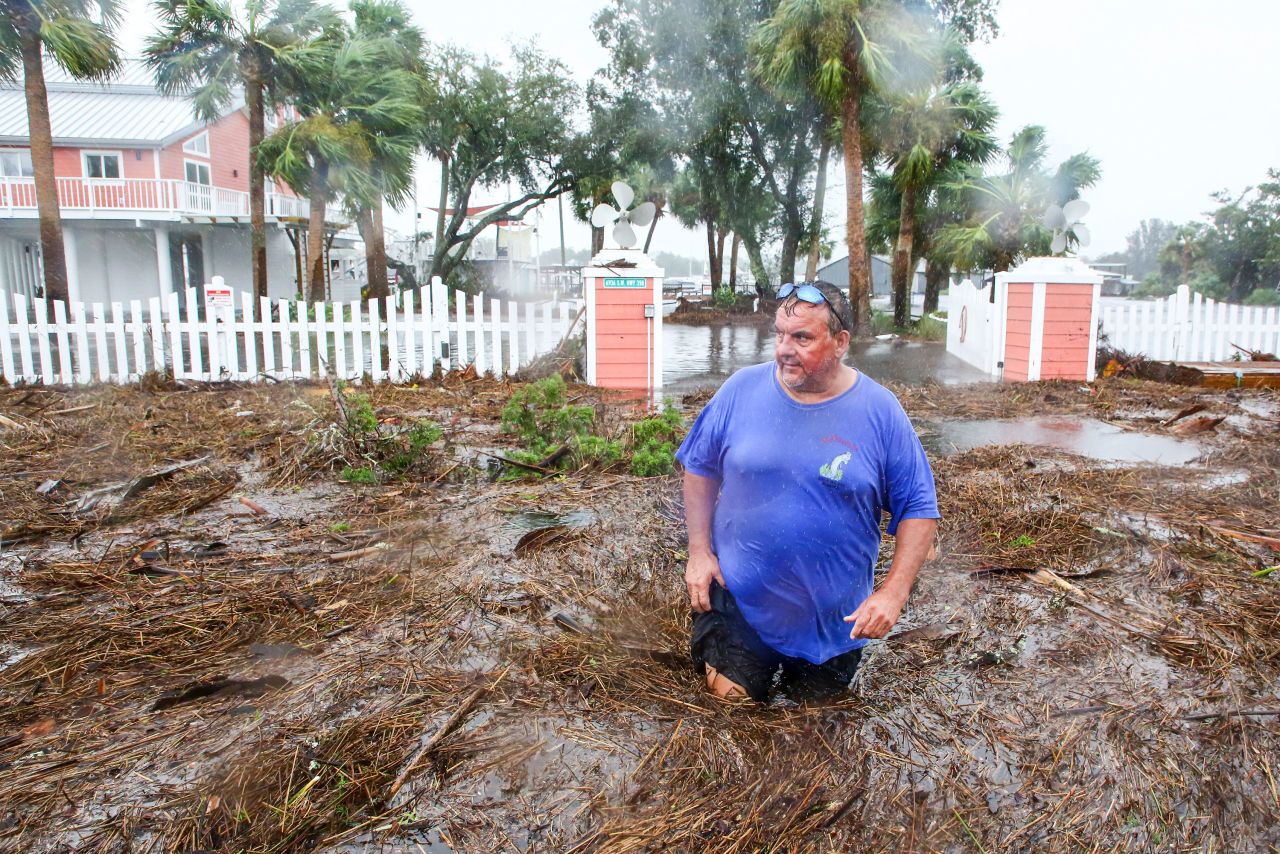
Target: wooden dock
point(1230, 374)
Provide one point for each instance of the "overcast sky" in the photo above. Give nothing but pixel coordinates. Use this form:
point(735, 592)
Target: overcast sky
point(1176, 97)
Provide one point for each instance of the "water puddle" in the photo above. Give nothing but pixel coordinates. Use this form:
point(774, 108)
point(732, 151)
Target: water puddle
point(527, 531)
point(1085, 437)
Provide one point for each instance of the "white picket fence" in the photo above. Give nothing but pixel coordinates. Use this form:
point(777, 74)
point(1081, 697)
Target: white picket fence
point(394, 338)
point(1189, 327)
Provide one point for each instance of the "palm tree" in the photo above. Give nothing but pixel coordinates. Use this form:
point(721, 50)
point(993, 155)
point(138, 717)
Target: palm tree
point(359, 110)
point(1005, 210)
point(837, 50)
point(920, 133)
point(68, 32)
point(210, 50)
point(392, 143)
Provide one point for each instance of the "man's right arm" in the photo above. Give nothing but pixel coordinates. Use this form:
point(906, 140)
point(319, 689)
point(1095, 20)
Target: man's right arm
point(700, 495)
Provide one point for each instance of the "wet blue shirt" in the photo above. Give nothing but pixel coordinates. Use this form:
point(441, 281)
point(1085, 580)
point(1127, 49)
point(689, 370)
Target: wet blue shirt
point(803, 488)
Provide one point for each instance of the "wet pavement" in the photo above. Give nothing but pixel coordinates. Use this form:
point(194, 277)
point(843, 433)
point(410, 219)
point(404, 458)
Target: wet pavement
point(700, 357)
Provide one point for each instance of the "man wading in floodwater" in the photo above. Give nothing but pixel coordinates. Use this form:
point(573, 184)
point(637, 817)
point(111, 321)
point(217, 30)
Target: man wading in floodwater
point(787, 472)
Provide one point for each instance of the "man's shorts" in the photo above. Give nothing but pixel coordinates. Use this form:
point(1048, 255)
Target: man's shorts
point(723, 639)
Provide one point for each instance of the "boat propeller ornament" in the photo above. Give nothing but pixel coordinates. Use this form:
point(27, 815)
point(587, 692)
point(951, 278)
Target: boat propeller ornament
point(622, 219)
point(1067, 219)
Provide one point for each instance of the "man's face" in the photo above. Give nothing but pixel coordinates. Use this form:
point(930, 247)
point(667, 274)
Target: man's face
point(807, 354)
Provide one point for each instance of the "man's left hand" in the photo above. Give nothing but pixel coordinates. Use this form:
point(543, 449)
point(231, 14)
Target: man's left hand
point(875, 616)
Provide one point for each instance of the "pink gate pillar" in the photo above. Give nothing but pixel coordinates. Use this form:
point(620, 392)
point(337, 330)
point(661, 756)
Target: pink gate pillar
point(623, 290)
point(1048, 320)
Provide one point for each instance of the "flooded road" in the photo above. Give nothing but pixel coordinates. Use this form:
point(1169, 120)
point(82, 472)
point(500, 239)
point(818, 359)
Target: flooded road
point(705, 356)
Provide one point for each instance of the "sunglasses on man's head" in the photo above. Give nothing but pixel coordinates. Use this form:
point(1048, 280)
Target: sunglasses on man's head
point(806, 292)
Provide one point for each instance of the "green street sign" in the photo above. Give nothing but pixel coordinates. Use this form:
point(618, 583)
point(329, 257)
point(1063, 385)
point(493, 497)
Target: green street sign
point(624, 283)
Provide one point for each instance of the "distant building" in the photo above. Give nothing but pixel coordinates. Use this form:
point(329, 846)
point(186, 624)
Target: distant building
point(837, 272)
point(151, 199)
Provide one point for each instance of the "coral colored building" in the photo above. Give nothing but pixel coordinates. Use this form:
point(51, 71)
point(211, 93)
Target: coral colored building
point(151, 199)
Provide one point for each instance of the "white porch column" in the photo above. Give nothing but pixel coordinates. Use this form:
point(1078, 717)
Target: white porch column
point(69, 249)
point(206, 254)
point(163, 265)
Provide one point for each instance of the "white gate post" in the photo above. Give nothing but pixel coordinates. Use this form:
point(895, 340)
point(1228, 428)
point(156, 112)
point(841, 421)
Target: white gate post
point(1182, 324)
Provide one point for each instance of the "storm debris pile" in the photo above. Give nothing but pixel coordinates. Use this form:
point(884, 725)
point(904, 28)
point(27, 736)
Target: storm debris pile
point(232, 649)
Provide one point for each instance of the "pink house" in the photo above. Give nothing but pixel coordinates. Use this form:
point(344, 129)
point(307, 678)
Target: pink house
point(151, 199)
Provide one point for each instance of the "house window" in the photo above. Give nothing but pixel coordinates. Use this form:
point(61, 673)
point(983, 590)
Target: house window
point(197, 145)
point(198, 173)
point(16, 163)
point(98, 164)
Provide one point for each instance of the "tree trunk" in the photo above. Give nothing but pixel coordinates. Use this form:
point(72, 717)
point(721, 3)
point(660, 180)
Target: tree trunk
point(437, 248)
point(315, 233)
point(597, 241)
point(733, 263)
point(790, 248)
point(819, 198)
point(648, 238)
point(855, 226)
point(375, 249)
point(51, 249)
point(934, 276)
point(295, 237)
point(903, 255)
point(253, 86)
point(713, 258)
point(758, 271)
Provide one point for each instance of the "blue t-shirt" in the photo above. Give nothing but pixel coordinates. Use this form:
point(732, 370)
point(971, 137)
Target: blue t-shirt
point(802, 491)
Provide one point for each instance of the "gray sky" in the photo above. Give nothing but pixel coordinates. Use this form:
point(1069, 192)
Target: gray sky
point(1174, 96)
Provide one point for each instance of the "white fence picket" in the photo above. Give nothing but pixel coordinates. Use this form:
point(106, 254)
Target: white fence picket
point(24, 333)
point(42, 341)
point(495, 335)
point(137, 330)
point(63, 337)
point(1190, 327)
point(6, 340)
point(52, 342)
point(251, 329)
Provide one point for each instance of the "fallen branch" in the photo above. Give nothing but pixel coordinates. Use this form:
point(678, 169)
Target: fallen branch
point(1233, 713)
point(447, 727)
point(1262, 539)
point(1190, 410)
point(359, 553)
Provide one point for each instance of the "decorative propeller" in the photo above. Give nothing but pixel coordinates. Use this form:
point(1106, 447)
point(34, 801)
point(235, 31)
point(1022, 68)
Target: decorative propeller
point(622, 219)
point(1067, 219)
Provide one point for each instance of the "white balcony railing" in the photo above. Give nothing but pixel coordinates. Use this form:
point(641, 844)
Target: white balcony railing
point(125, 198)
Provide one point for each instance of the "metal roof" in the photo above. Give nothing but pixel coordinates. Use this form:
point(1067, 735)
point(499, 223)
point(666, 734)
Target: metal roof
point(126, 111)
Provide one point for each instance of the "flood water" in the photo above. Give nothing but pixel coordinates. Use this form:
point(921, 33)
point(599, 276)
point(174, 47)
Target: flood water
point(1083, 436)
point(704, 356)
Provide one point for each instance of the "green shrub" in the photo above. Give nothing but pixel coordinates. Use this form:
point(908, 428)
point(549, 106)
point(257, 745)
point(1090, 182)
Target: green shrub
point(598, 450)
point(363, 475)
point(542, 419)
point(724, 298)
point(1263, 296)
point(930, 329)
point(423, 435)
point(374, 452)
point(653, 449)
point(361, 418)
